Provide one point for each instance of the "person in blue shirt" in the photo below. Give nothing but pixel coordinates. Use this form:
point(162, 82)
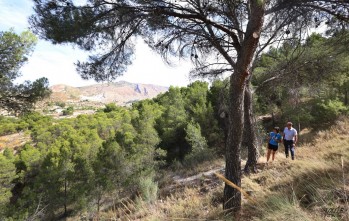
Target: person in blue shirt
point(274, 139)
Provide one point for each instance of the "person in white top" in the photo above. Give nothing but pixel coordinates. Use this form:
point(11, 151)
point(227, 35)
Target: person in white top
point(290, 137)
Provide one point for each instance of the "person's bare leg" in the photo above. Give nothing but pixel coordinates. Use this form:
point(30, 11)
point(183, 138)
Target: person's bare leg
point(273, 155)
point(268, 154)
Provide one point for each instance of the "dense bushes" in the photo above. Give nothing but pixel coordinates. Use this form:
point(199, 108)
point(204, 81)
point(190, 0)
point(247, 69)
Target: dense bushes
point(11, 125)
point(307, 84)
point(324, 113)
point(68, 111)
point(73, 164)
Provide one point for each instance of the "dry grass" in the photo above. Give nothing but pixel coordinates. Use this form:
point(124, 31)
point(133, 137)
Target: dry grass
point(315, 186)
point(13, 141)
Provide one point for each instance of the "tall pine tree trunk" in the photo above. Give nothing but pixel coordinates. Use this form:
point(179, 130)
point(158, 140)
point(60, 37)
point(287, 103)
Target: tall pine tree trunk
point(232, 197)
point(249, 136)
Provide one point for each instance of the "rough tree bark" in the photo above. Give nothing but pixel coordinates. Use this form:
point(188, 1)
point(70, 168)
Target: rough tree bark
point(238, 82)
point(249, 136)
point(232, 197)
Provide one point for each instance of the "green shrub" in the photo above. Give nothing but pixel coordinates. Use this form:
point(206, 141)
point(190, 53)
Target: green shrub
point(325, 113)
point(199, 148)
point(110, 107)
point(316, 113)
point(60, 104)
point(11, 125)
point(68, 111)
point(148, 189)
point(7, 128)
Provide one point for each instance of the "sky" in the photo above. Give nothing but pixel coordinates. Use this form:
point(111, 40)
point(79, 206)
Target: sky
point(56, 62)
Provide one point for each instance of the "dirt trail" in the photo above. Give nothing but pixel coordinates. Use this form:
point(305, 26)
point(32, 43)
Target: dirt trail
point(209, 173)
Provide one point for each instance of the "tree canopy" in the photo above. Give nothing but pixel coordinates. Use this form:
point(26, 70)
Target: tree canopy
point(205, 31)
point(14, 52)
point(308, 83)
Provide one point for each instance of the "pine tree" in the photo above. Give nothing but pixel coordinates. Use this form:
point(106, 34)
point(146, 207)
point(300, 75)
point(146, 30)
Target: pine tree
point(14, 52)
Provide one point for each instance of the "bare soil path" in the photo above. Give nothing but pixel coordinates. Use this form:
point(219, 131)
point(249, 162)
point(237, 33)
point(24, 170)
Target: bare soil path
point(13, 141)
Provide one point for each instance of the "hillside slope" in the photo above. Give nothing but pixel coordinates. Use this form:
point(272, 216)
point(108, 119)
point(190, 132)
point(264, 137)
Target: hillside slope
point(315, 186)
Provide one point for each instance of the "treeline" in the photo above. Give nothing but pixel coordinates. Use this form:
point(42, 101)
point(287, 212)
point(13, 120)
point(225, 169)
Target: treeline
point(75, 165)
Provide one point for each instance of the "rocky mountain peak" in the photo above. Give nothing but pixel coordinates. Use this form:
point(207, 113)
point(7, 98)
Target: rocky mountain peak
point(121, 93)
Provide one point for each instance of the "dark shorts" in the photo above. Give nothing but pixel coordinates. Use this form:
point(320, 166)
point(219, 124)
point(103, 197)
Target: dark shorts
point(273, 147)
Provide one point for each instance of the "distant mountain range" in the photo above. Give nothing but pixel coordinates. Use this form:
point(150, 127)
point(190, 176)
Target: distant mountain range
point(121, 93)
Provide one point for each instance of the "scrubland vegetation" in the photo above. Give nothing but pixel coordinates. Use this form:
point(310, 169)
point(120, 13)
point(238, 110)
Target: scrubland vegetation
point(156, 159)
point(126, 163)
point(313, 187)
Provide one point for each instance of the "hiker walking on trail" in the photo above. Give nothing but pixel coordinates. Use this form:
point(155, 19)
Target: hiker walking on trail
point(290, 139)
point(273, 144)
